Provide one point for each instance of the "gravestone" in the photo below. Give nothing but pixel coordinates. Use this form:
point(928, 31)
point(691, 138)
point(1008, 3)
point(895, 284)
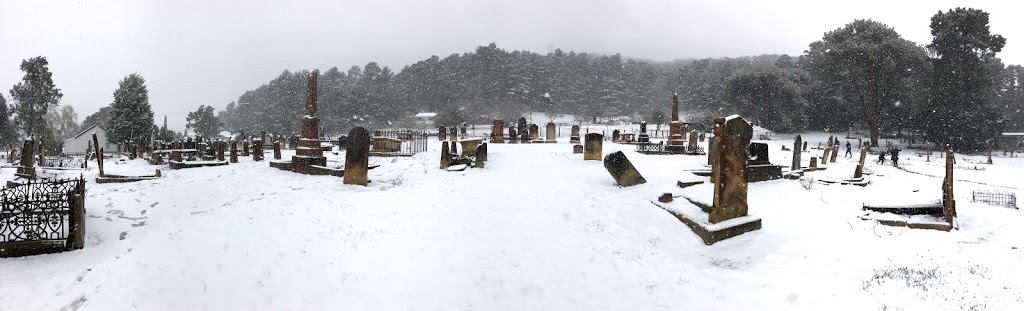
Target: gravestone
point(512, 135)
point(257, 150)
point(442, 133)
point(245, 148)
point(534, 132)
point(712, 150)
point(577, 148)
point(454, 147)
point(221, 145)
point(498, 132)
point(342, 141)
point(835, 151)
point(824, 155)
point(615, 136)
point(277, 150)
point(860, 166)
point(624, 173)
point(693, 140)
point(796, 153)
point(730, 169)
point(549, 132)
point(42, 154)
point(357, 156)
point(309, 152)
point(522, 127)
point(481, 156)
point(948, 204)
point(814, 163)
point(758, 154)
point(643, 137)
point(675, 128)
point(446, 155)
point(27, 169)
point(592, 146)
point(805, 146)
point(234, 151)
point(574, 136)
point(453, 134)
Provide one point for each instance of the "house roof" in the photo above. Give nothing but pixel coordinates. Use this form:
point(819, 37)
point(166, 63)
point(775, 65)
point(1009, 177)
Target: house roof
point(85, 131)
point(426, 114)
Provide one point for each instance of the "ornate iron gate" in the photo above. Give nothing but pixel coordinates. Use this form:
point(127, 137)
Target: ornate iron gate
point(42, 217)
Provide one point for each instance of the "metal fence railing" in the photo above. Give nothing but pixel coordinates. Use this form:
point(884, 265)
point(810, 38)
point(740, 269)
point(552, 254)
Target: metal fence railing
point(995, 197)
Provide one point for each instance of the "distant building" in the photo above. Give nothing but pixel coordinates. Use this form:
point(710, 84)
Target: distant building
point(426, 119)
point(79, 143)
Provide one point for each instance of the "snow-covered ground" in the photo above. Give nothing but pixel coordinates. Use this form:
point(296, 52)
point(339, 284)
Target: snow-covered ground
point(538, 228)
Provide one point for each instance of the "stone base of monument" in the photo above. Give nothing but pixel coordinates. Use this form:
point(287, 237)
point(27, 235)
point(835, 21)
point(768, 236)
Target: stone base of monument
point(282, 165)
point(176, 165)
point(109, 178)
point(930, 222)
point(574, 140)
point(697, 220)
point(763, 172)
point(390, 154)
point(850, 181)
point(302, 164)
point(457, 168)
point(543, 141)
point(684, 184)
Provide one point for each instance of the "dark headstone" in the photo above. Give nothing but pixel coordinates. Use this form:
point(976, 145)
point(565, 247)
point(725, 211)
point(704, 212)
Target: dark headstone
point(624, 173)
point(665, 197)
point(796, 153)
point(442, 133)
point(758, 154)
point(446, 155)
point(550, 131)
point(730, 169)
point(577, 148)
point(234, 151)
point(357, 156)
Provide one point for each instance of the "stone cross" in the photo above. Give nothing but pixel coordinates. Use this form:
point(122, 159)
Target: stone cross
point(592, 146)
point(357, 157)
point(623, 171)
point(796, 153)
point(730, 169)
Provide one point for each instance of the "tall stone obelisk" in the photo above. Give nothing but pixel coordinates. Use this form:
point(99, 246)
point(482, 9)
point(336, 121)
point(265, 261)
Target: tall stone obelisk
point(309, 153)
point(675, 128)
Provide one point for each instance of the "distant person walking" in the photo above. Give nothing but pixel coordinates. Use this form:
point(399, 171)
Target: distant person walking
point(895, 157)
point(849, 152)
point(881, 158)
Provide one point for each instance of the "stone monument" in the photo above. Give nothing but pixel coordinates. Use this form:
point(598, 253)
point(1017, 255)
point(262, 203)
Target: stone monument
point(309, 152)
point(357, 156)
point(592, 146)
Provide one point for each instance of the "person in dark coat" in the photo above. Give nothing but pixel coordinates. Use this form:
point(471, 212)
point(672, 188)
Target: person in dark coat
point(895, 157)
point(849, 151)
point(881, 158)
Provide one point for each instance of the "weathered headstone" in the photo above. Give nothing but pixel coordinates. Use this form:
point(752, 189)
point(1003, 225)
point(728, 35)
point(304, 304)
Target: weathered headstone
point(27, 169)
point(245, 148)
point(643, 137)
point(615, 136)
point(805, 146)
point(277, 150)
point(624, 173)
point(512, 135)
point(221, 145)
point(446, 155)
point(442, 133)
point(42, 154)
point(712, 150)
point(693, 139)
point(577, 148)
point(796, 153)
point(481, 156)
point(257, 150)
point(454, 147)
point(234, 151)
point(521, 126)
point(357, 156)
point(814, 163)
point(835, 152)
point(534, 132)
point(730, 169)
point(824, 155)
point(759, 154)
point(860, 165)
point(948, 204)
point(453, 134)
point(498, 132)
point(592, 146)
point(574, 136)
point(549, 132)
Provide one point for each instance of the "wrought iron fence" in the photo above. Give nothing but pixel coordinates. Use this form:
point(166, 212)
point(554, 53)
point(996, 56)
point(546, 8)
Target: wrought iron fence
point(40, 215)
point(995, 197)
point(65, 161)
point(406, 141)
point(650, 147)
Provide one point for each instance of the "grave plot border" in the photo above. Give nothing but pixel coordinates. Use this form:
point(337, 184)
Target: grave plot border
point(39, 217)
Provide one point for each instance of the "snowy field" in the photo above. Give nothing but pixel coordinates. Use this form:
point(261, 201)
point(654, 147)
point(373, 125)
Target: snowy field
point(537, 229)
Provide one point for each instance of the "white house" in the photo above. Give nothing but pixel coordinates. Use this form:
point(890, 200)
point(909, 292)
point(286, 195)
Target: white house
point(425, 119)
point(79, 143)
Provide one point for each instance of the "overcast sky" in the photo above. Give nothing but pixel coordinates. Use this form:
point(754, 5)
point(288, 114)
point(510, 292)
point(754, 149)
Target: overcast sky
point(198, 52)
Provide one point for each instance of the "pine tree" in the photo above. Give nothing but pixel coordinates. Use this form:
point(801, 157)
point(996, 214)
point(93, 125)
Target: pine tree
point(8, 133)
point(203, 121)
point(34, 95)
point(962, 111)
point(132, 117)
